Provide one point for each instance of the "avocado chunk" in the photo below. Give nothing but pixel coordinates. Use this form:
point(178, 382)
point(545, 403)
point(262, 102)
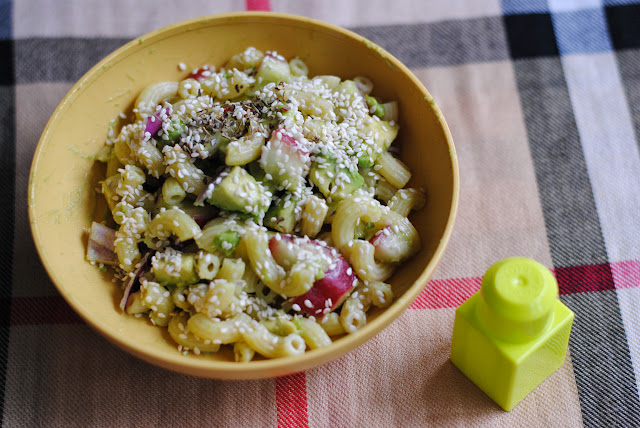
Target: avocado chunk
point(377, 137)
point(220, 235)
point(364, 230)
point(374, 105)
point(174, 132)
point(176, 129)
point(334, 183)
point(258, 173)
point(281, 216)
point(239, 191)
point(226, 242)
point(166, 273)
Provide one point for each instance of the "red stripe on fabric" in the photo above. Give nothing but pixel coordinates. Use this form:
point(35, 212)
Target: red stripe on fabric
point(446, 293)
point(438, 294)
point(584, 279)
point(626, 274)
point(42, 310)
point(451, 293)
point(291, 401)
point(258, 5)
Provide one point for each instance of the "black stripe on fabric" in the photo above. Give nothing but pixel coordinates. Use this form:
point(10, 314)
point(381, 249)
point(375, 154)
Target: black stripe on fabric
point(417, 45)
point(60, 59)
point(7, 217)
point(442, 43)
point(629, 66)
point(530, 35)
point(601, 361)
point(7, 69)
point(561, 172)
point(624, 25)
point(575, 239)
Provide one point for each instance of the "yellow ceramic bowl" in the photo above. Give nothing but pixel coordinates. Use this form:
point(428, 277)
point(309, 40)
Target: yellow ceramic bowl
point(63, 176)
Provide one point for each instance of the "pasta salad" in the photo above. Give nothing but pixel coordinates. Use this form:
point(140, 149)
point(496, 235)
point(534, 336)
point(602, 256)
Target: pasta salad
point(254, 206)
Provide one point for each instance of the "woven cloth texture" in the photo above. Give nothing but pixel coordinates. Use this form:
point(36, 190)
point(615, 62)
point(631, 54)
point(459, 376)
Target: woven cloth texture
point(543, 102)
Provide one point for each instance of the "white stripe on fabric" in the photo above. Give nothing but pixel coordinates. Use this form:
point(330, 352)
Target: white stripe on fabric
point(612, 159)
point(114, 18)
point(610, 149)
point(383, 12)
point(629, 300)
point(570, 5)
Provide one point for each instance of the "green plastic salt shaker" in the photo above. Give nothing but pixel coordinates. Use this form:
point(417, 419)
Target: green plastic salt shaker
point(513, 333)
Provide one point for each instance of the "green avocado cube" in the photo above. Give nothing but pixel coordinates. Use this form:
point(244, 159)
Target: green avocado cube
point(337, 184)
point(377, 137)
point(281, 216)
point(239, 191)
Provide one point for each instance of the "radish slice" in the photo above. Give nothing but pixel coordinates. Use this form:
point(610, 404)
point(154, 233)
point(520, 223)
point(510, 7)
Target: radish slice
point(201, 73)
point(135, 281)
point(154, 123)
point(328, 292)
point(101, 248)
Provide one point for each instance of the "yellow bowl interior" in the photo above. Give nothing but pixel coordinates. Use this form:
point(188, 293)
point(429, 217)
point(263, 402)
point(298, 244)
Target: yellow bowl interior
point(62, 200)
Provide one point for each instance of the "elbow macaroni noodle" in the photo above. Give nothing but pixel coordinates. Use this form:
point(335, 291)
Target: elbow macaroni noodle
point(209, 161)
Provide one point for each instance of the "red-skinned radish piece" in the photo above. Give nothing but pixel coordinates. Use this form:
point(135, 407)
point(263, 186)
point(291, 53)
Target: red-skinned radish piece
point(200, 73)
point(154, 123)
point(328, 292)
point(285, 161)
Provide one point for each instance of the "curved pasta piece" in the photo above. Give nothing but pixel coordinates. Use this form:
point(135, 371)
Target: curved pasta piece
point(245, 150)
point(296, 282)
point(148, 155)
point(362, 257)
point(231, 269)
point(262, 262)
point(153, 95)
point(174, 221)
point(188, 87)
point(407, 200)
point(313, 334)
point(216, 299)
point(181, 167)
point(242, 352)
point(364, 84)
point(397, 240)
point(353, 315)
point(298, 67)
point(270, 345)
point(359, 253)
point(314, 212)
point(347, 215)
point(396, 172)
point(132, 225)
point(218, 332)
point(180, 333)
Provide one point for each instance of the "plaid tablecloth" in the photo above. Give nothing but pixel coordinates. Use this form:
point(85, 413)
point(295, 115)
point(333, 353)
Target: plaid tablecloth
point(543, 101)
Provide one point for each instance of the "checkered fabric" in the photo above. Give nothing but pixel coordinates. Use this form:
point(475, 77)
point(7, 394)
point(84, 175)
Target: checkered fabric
point(543, 101)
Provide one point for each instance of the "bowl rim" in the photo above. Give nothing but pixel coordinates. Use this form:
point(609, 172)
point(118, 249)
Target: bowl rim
point(267, 368)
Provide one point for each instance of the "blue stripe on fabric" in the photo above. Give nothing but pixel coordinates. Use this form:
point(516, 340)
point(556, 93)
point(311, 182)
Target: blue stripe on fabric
point(515, 7)
point(582, 31)
point(6, 19)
